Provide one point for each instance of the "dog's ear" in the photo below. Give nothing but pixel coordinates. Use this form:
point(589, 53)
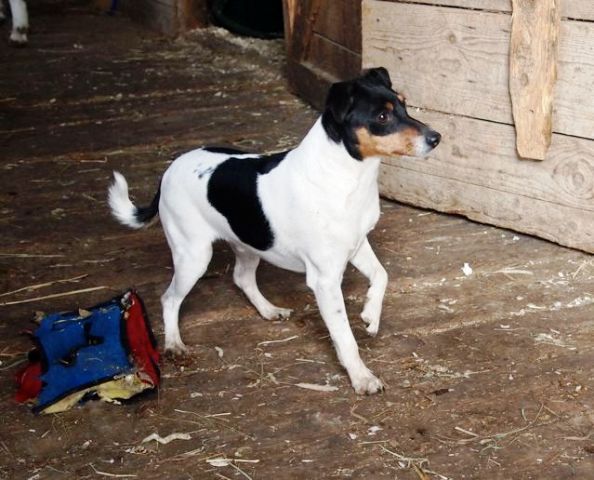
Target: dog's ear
point(340, 100)
point(379, 75)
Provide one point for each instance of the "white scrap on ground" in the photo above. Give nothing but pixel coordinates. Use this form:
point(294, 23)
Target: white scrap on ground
point(169, 438)
point(466, 269)
point(316, 387)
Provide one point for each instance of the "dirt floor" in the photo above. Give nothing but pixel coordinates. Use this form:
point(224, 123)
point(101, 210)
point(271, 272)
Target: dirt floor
point(488, 375)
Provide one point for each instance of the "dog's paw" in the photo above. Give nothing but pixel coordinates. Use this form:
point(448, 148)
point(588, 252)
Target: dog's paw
point(176, 348)
point(276, 313)
point(368, 384)
point(372, 322)
point(372, 330)
point(18, 37)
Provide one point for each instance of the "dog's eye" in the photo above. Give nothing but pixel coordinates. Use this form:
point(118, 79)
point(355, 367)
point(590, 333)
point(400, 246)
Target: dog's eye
point(383, 117)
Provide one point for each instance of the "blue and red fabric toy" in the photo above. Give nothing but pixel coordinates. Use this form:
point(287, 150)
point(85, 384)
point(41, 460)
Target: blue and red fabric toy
point(107, 351)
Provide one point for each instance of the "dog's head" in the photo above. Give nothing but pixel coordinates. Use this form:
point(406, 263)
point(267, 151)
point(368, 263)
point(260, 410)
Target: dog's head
point(371, 120)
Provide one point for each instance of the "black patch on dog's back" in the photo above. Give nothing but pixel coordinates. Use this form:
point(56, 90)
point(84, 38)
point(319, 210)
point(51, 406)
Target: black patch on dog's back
point(225, 150)
point(233, 192)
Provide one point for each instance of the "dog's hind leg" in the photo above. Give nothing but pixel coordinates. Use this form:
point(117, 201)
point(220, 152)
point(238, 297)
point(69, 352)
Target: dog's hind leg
point(367, 263)
point(190, 261)
point(20, 22)
point(244, 276)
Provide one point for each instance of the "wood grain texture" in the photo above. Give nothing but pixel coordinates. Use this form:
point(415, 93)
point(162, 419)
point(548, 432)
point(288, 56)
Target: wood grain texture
point(533, 73)
point(289, 13)
point(457, 61)
point(192, 14)
point(159, 15)
point(340, 22)
point(306, 13)
point(309, 82)
point(574, 9)
point(475, 172)
point(323, 45)
point(333, 58)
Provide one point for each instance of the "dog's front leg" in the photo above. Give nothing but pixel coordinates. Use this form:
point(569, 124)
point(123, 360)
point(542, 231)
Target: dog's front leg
point(329, 297)
point(367, 263)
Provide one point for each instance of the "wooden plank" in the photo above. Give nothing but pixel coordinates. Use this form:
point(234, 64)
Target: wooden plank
point(167, 16)
point(333, 59)
point(533, 72)
point(309, 82)
point(320, 50)
point(192, 14)
point(159, 15)
point(306, 14)
point(340, 22)
point(289, 13)
point(486, 5)
point(460, 63)
point(573, 9)
point(475, 172)
point(562, 225)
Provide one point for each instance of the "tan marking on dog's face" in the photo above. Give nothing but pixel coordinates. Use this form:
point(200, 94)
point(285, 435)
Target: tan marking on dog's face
point(395, 144)
point(389, 106)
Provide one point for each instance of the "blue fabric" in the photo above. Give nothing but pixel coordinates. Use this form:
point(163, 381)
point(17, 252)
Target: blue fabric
point(80, 352)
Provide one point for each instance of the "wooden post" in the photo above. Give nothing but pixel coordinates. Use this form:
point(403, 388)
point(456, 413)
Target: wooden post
point(289, 14)
point(192, 14)
point(533, 72)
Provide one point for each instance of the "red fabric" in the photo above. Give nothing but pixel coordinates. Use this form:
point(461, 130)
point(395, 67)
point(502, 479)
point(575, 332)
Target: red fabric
point(146, 356)
point(29, 382)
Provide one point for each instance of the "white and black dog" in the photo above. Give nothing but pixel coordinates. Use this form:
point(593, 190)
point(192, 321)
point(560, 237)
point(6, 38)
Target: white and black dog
point(306, 210)
point(20, 21)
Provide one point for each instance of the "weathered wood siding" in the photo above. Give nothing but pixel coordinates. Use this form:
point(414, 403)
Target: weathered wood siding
point(323, 45)
point(453, 64)
point(170, 17)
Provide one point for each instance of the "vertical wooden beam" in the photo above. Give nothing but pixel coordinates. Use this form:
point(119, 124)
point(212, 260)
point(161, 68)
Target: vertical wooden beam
point(192, 14)
point(289, 13)
point(304, 15)
point(533, 72)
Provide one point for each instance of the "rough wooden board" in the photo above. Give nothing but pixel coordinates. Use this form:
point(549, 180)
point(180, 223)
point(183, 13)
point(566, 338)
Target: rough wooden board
point(333, 59)
point(575, 9)
point(457, 61)
point(289, 12)
point(340, 22)
point(475, 172)
point(160, 15)
point(304, 16)
point(483, 153)
point(533, 73)
point(192, 14)
point(309, 82)
point(323, 46)
point(559, 224)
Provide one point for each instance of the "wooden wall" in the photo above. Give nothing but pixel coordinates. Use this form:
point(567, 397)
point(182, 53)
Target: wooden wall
point(452, 64)
point(170, 17)
point(323, 40)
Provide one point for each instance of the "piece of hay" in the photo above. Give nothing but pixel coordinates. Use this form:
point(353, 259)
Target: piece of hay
point(316, 387)
point(165, 440)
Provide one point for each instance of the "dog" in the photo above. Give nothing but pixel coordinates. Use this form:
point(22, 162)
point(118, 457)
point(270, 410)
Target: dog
point(20, 22)
point(307, 210)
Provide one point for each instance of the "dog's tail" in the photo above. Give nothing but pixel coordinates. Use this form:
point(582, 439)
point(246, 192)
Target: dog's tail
point(124, 210)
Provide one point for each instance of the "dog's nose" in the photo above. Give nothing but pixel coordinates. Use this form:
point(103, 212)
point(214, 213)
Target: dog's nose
point(433, 138)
